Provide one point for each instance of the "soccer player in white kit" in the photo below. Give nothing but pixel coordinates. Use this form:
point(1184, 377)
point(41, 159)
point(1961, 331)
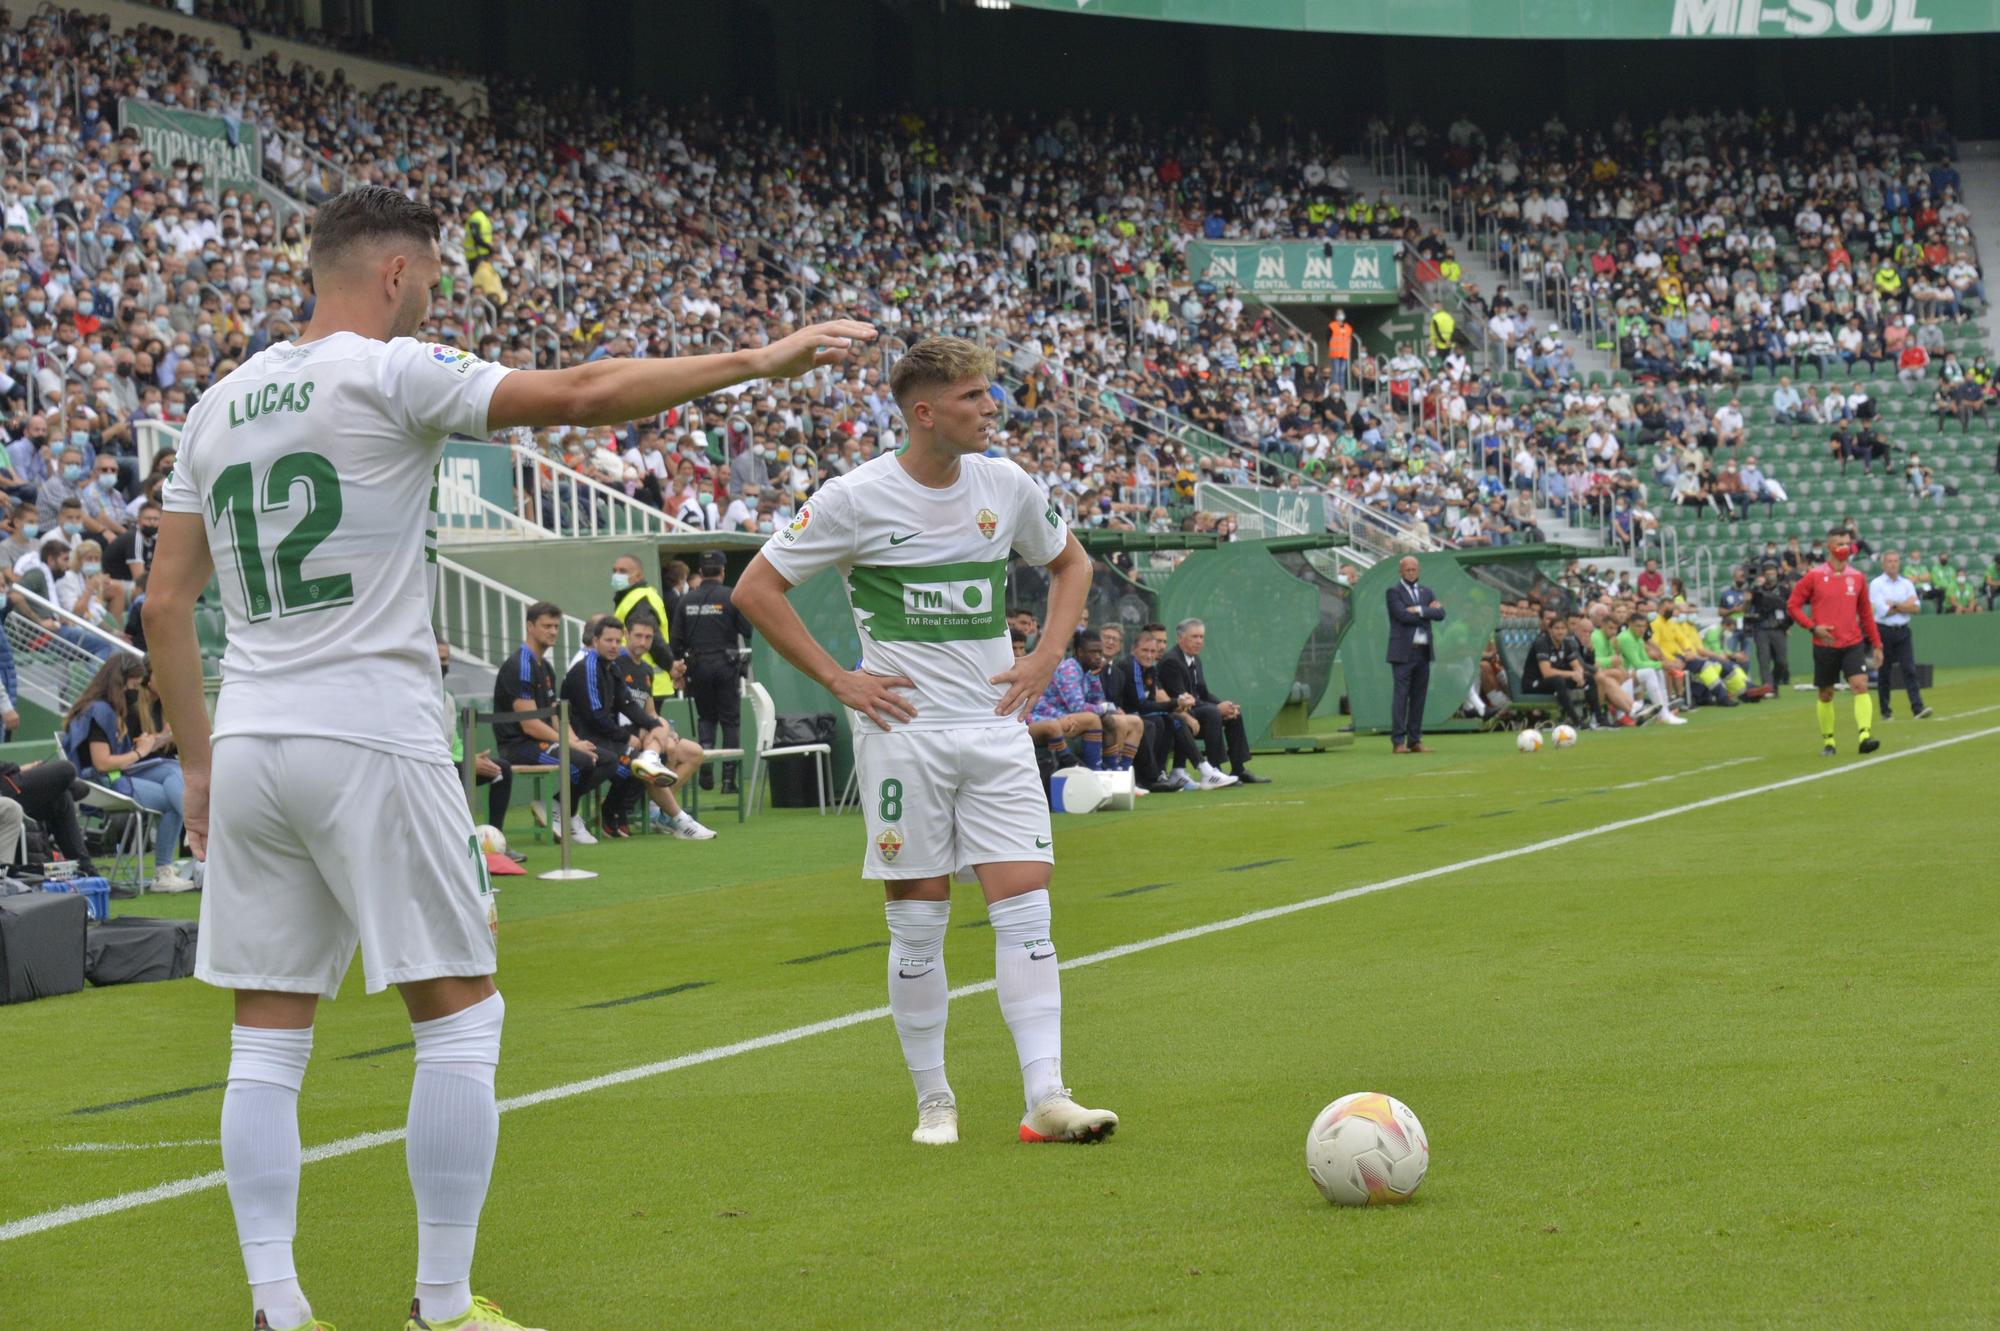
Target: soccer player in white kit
point(949, 784)
point(328, 809)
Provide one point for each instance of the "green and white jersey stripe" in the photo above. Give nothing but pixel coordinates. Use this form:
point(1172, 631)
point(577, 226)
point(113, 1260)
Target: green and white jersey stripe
point(926, 574)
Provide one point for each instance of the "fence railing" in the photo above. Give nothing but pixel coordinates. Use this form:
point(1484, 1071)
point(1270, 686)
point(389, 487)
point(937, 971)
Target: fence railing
point(484, 620)
point(566, 502)
point(55, 653)
point(464, 515)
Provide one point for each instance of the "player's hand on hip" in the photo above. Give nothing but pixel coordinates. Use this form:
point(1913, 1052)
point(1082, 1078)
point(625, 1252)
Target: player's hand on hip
point(813, 346)
point(1823, 635)
point(194, 809)
point(1025, 681)
point(876, 696)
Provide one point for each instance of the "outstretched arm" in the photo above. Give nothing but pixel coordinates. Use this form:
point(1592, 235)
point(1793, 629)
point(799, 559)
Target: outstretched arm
point(611, 392)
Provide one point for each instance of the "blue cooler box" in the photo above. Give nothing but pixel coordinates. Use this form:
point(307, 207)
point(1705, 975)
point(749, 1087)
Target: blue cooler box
point(96, 893)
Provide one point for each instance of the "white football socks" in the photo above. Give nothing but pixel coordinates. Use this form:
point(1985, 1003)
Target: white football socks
point(1655, 682)
point(918, 993)
point(1030, 988)
point(260, 1160)
point(454, 1128)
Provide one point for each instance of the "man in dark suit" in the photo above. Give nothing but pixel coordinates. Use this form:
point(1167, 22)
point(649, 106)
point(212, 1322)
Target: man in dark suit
point(1412, 610)
point(1133, 685)
point(1221, 721)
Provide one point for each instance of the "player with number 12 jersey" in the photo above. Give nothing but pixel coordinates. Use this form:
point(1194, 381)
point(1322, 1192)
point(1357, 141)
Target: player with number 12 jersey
point(306, 482)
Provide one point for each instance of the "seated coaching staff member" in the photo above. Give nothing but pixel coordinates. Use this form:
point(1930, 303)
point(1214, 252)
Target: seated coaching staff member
point(1132, 685)
point(1555, 667)
point(1219, 719)
point(1412, 609)
point(526, 682)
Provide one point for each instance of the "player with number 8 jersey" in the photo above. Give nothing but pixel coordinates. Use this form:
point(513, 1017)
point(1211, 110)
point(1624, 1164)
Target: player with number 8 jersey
point(323, 793)
point(921, 539)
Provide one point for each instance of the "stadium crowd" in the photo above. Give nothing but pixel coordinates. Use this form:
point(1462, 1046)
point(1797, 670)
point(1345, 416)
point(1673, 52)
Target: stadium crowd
point(1701, 249)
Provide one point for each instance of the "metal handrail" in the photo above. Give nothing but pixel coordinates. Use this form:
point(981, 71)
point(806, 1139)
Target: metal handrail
point(49, 610)
point(535, 335)
point(555, 488)
point(482, 619)
point(149, 437)
point(487, 519)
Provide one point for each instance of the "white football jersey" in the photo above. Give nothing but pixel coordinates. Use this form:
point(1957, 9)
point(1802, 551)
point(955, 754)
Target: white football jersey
point(926, 574)
point(314, 469)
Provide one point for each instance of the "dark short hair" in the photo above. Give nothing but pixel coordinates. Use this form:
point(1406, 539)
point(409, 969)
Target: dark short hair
point(542, 610)
point(76, 504)
point(1152, 628)
point(599, 624)
point(153, 504)
point(364, 213)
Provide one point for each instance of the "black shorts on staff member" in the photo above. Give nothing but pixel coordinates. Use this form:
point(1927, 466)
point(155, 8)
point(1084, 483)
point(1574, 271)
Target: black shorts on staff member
point(1831, 665)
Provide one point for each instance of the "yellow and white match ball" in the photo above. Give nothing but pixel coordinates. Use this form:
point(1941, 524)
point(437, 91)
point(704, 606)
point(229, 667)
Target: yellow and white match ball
point(492, 841)
point(1565, 737)
point(1367, 1149)
point(1529, 741)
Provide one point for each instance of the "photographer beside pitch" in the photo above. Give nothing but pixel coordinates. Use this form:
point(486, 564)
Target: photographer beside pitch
point(328, 744)
point(947, 771)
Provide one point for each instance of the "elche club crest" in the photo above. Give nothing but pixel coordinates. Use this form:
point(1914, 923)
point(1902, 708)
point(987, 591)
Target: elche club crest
point(889, 845)
point(989, 522)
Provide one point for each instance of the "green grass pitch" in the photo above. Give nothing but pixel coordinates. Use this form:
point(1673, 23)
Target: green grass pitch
point(1728, 1067)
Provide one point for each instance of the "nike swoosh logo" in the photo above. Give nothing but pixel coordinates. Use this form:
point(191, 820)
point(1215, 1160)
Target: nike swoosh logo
point(1041, 956)
point(902, 974)
point(1042, 845)
point(898, 540)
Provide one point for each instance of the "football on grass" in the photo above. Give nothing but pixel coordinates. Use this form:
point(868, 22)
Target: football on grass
point(1367, 1149)
point(1529, 741)
point(1565, 737)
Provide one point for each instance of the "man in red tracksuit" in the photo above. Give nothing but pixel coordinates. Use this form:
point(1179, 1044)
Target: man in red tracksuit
point(1841, 619)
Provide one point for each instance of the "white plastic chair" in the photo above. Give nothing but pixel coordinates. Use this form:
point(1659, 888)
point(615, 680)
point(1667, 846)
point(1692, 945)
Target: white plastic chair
point(764, 727)
point(137, 842)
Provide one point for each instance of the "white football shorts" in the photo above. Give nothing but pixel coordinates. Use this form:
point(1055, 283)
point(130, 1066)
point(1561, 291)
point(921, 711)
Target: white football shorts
point(317, 845)
point(943, 801)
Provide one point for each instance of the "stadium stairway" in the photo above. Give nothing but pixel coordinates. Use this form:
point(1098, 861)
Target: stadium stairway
point(1479, 269)
point(1593, 365)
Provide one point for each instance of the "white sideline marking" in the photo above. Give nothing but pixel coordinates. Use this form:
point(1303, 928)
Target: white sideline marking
point(333, 1150)
point(1692, 771)
point(138, 1146)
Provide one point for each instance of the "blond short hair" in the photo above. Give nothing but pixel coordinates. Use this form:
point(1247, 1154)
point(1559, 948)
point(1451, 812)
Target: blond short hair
point(936, 361)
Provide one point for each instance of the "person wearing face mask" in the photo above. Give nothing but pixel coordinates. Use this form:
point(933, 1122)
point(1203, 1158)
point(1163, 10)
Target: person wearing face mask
point(103, 507)
point(98, 738)
point(61, 488)
point(24, 531)
point(131, 554)
point(1832, 601)
point(635, 601)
